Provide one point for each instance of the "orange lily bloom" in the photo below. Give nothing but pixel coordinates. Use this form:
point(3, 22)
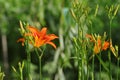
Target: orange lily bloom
point(40, 37)
point(98, 45)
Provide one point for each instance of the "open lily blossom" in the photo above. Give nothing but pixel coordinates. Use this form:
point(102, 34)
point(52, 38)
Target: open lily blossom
point(39, 37)
point(98, 44)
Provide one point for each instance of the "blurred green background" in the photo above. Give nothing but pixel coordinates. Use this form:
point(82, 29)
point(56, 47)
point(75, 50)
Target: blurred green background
point(56, 16)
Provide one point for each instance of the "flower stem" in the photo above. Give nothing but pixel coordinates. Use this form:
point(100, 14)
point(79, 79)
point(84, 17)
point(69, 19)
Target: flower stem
point(40, 60)
point(28, 66)
point(79, 69)
point(118, 68)
point(100, 67)
point(28, 60)
point(40, 72)
point(102, 63)
point(93, 68)
point(109, 56)
point(87, 68)
point(21, 74)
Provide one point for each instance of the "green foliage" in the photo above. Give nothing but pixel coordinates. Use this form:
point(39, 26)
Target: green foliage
point(62, 17)
point(2, 75)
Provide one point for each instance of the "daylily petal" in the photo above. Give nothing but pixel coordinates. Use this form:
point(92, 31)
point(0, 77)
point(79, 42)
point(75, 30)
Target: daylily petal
point(33, 30)
point(52, 44)
point(99, 43)
point(105, 45)
point(43, 31)
point(21, 40)
point(51, 37)
point(96, 49)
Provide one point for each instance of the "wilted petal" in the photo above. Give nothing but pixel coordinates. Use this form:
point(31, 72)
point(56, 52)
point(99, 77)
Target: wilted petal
point(114, 49)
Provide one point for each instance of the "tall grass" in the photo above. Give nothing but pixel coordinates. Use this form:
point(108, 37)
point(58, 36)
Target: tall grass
point(81, 12)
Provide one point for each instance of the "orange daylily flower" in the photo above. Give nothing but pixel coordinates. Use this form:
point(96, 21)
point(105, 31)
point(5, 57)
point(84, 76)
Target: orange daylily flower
point(98, 45)
point(40, 37)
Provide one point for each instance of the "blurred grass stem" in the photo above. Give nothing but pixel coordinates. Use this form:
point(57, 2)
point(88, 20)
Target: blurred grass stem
point(5, 52)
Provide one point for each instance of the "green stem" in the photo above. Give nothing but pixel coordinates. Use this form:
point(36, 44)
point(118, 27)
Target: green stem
point(39, 57)
point(79, 67)
point(28, 60)
point(81, 51)
point(83, 55)
point(87, 68)
point(109, 56)
point(28, 64)
point(110, 28)
point(40, 65)
point(21, 75)
point(118, 68)
point(40, 60)
point(40, 72)
point(77, 56)
point(102, 63)
point(93, 68)
point(100, 67)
